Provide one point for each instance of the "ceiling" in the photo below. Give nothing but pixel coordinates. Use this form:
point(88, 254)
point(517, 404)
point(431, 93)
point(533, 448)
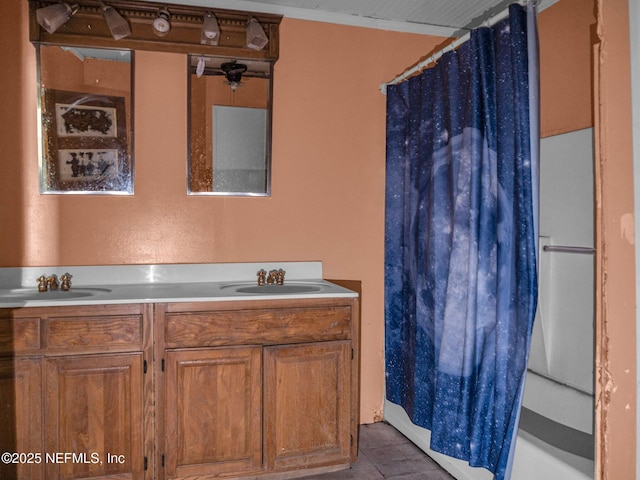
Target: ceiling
point(431, 17)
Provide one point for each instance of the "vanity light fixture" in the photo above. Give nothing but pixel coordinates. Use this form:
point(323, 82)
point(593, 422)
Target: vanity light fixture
point(256, 38)
point(51, 18)
point(210, 30)
point(154, 25)
point(117, 24)
point(162, 23)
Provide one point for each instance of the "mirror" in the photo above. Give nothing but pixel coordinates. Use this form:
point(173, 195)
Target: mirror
point(229, 126)
point(85, 111)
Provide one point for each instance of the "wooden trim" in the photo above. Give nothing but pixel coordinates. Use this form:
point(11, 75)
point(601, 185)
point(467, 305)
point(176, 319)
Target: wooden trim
point(160, 387)
point(236, 305)
point(356, 286)
point(148, 391)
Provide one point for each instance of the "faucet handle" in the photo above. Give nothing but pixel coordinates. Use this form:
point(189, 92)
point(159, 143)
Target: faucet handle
point(52, 282)
point(65, 284)
point(271, 279)
point(42, 283)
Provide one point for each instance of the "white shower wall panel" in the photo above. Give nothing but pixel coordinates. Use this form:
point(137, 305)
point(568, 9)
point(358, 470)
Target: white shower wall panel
point(569, 331)
point(566, 188)
point(564, 324)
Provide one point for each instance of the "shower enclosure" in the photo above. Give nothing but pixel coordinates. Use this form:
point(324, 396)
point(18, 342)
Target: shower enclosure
point(558, 404)
point(555, 439)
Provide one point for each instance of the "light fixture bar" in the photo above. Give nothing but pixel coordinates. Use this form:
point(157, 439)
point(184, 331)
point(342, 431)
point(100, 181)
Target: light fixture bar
point(192, 29)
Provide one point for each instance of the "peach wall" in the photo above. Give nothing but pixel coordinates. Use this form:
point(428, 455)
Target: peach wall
point(566, 32)
point(615, 319)
point(327, 198)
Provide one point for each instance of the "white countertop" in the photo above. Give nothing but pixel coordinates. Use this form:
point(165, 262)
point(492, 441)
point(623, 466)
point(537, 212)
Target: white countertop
point(91, 285)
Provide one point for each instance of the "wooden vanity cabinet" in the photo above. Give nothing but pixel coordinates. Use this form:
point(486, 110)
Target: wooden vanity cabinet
point(253, 389)
point(73, 379)
point(259, 388)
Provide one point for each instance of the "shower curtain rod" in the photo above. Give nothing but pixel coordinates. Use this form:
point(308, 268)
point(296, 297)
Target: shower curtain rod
point(449, 47)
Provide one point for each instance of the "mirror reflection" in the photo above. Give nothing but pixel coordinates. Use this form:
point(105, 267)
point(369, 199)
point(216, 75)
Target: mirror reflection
point(85, 117)
point(229, 126)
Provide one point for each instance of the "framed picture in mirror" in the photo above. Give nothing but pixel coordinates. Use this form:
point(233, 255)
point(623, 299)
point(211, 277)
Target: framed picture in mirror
point(85, 113)
point(85, 146)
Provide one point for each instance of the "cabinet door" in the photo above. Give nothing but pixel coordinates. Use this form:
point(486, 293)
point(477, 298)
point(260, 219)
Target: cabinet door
point(213, 413)
point(94, 417)
point(21, 417)
point(307, 404)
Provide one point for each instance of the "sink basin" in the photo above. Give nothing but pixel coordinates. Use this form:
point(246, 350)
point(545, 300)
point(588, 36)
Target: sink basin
point(32, 294)
point(285, 289)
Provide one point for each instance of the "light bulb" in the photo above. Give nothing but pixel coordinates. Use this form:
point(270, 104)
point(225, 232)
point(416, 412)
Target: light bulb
point(162, 23)
point(210, 30)
point(51, 18)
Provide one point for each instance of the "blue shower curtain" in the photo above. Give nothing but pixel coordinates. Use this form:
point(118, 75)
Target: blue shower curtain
point(460, 241)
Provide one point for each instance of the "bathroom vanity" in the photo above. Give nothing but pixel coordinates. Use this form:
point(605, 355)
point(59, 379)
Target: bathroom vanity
point(175, 384)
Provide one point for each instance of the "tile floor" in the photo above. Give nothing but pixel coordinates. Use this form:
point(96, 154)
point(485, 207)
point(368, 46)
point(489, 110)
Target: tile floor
point(386, 453)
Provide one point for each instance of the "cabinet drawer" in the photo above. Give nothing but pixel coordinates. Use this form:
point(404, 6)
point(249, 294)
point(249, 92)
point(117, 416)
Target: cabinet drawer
point(259, 326)
point(19, 335)
point(79, 334)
